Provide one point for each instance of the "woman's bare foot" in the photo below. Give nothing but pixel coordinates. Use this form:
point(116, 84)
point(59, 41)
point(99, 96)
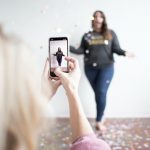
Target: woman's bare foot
point(100, 127)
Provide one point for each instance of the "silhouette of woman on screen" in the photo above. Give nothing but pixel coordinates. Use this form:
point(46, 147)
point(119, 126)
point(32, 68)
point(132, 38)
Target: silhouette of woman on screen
point(59, 55)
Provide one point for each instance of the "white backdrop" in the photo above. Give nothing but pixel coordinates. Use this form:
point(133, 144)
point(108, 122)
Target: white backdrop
point(36, 20)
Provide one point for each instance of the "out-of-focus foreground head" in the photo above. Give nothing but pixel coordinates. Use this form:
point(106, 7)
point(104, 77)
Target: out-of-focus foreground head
point(21, 102)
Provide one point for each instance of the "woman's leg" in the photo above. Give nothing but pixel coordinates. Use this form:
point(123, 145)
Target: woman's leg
point(91, 74)
point(59, 60)
point(103, 81)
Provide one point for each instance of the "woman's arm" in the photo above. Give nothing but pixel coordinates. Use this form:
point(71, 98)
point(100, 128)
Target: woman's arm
point(79, 123)
point(79, 50)
point(116, 47)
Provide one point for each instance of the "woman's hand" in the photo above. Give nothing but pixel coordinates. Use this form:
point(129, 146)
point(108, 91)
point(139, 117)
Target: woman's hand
point(129, 54)
point(49, 86)
point(70, 81)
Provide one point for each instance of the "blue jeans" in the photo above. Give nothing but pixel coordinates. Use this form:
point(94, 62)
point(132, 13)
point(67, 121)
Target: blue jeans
point(100, 80)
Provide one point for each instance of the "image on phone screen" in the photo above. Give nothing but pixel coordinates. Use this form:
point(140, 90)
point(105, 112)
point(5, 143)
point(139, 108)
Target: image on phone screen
point(58, 49)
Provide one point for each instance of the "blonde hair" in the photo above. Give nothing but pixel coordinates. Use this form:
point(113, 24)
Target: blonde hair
point(21, 102)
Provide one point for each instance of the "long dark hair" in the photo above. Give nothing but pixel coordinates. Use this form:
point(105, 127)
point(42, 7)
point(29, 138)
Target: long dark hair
point(104, 30)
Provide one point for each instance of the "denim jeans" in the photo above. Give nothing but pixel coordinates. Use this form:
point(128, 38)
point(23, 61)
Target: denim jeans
point(100, 80)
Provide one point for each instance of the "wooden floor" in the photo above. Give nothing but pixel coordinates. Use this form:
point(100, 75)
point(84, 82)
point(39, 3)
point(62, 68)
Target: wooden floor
point(122, 134)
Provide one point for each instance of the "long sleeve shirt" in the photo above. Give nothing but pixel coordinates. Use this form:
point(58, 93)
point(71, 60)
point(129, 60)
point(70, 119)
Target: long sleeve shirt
point(97, 51)
point(89, 142)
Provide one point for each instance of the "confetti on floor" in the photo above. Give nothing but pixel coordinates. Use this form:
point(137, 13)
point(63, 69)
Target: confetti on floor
point(121, 134)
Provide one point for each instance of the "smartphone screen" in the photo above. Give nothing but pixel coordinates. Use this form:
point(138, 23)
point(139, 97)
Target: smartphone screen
point(58, 49)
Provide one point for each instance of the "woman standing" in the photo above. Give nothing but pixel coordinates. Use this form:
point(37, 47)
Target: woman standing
point(59, 54)
point(98, 47)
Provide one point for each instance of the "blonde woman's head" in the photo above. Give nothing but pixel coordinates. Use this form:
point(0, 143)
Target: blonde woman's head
point(21, 102)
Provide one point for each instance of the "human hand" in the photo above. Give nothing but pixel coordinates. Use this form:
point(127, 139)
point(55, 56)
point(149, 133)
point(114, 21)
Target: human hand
point(129, 54)
point(49, 86)
point(70, 81)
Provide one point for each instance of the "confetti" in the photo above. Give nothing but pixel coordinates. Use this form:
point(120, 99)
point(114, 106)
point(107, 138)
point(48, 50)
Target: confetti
point(43, 12)
point(94, 64)
point(106, 42)
point(58, 30)
point(122, 134)
point(87, 51)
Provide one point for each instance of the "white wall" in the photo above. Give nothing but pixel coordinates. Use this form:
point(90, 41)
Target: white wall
point(36, 20)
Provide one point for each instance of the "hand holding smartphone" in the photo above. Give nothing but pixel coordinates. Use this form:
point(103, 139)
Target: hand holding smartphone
point(58, 49)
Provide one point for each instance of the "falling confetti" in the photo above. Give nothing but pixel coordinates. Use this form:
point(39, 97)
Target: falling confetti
point(87, 51)
point(41, 47)
point(76, 25)
point(88, 34)
point(42, 144)
point(107, 81)
point(43, 12)
point(58, 30)
point(91, 18)
point(106, 42)
point(94, 64)
point(45, 9)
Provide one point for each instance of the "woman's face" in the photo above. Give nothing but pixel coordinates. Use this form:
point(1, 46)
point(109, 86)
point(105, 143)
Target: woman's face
point(98, 20)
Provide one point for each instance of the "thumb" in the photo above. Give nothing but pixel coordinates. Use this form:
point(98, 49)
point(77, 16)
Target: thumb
point(59, 73)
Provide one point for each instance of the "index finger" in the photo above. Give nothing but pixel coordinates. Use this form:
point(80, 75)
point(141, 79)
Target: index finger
point(73, 60)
